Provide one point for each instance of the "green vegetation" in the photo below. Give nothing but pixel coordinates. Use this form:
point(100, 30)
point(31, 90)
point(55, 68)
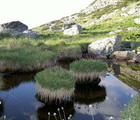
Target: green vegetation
point(53, 45)
point(88, 66)
point(132, 111)
point(88, 70)
point(55, 78)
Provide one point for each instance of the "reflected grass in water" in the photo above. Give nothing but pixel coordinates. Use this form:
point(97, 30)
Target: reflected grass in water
point(9, 82)
point(89, 93)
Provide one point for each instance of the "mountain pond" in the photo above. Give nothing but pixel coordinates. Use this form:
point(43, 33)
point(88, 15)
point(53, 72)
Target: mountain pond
point(19, 99)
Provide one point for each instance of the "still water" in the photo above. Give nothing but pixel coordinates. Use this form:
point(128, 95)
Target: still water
point(18, 95)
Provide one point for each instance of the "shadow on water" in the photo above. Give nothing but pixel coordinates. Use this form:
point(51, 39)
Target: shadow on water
point(89, 93)
point(14, 80)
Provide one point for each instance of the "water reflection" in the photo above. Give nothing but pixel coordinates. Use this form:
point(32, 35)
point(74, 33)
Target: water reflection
point(1, 107)
point(129, 73)
point(88, 93)
point(12, 81)
point(22, 101)
point(55, 110)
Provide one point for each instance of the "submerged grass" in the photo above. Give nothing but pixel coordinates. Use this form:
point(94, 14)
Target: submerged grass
point(132, 111)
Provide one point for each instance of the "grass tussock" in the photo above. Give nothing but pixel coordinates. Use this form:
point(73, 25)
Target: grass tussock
point(48, 95)
point(25, 59)
point(55, 78)
point(88, 70)
point(73, 51)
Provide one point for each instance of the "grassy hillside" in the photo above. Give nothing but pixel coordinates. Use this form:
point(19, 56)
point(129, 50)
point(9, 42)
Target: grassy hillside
point(52, 45)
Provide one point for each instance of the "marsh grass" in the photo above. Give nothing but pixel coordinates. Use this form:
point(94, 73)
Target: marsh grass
point(48, 95)
point(73, 51)
point(55, 78)
point(132, 111)
point(30, 59)
point(88, 70)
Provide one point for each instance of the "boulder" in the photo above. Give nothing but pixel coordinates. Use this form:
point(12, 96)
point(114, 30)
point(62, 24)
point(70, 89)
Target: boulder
point(30, 34)
point(137, 20)
point(15, 25)
point(105, 46)
point(72, 30)
point(137, 58)
point(123, 55)
point(68, 26)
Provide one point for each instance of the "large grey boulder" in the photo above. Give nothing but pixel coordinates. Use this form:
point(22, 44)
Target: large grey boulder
point(15, 25)
point(105, 46)
point(72, 29)
point(137, 20)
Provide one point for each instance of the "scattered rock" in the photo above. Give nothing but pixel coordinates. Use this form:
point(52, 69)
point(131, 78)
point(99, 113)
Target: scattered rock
point(137, 20)
point(15, 25)
point(72, 29)
point(131, 28)
point(131, 12)
point(116, 31)
point(67, 26)
point(29, 33)
point(123, 55)
point(97, 5)
point(137, 58)
point(55, 28)
point(105, 46)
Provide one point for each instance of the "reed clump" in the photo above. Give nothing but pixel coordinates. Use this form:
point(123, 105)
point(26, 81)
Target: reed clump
point(55, 83)
point(88, 70)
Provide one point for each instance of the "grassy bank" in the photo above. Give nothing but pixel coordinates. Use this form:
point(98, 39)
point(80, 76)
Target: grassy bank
point(132, 111)
point(53, 45)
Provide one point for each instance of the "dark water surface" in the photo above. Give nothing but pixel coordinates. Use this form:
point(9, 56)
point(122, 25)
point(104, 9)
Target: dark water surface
point(18, 95)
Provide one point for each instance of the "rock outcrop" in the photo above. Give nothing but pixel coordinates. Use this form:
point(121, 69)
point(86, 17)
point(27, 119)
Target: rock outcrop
point(72, 29)
point(137, 20)
point(97, 4)
point(15, 25)
point(105, 46)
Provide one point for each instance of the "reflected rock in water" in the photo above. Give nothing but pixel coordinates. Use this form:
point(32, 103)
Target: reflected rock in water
point(88, 93)
point(1, 107)
point(12, 81)
point(55, 110)
point(48, 95)
point(130, 75)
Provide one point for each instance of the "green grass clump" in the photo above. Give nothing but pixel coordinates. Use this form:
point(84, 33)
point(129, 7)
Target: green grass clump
point(132, 111)
point(71, 51)
point(88, 70)
point(55, 78)
point(25, 60)
point(88, 66)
